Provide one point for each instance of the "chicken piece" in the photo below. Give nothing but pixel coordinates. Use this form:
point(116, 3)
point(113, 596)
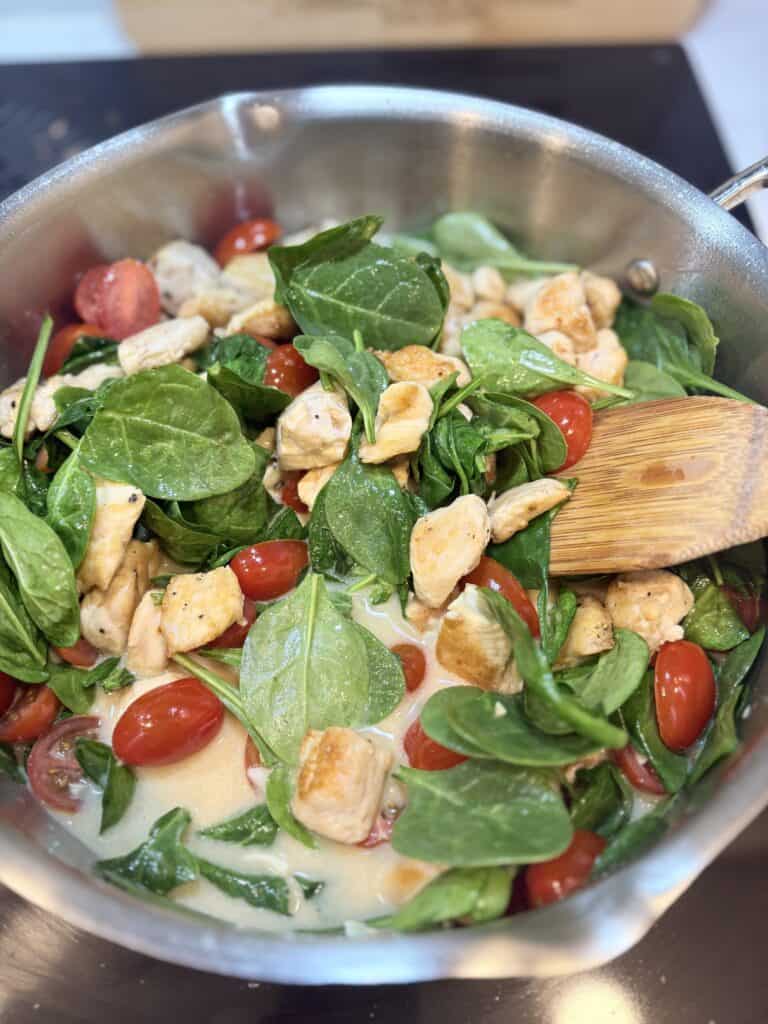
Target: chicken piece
point(453, 325)
point(267, 439)
point(590, 761)
point(651, 603)
point(147, 652)
point(401, 470)
point(591, 632)
point(9, 408)
point(592, 586)
point(561, 305)
point(217, 305)
point(460, 287)
point(472, 644)
point(266, 318)
point(252, 273)
point(163, 343)
point(314, 430)
point(514, 509)
point(340, 783)
point(401, 882)
point(423, 366)
point(607, 361)
point(493, 311)
point(313, 482)
point(198, 607)
point(182, 270)
point(603, 298)
point(106, 615)
point(521, 292)
point(447, 544)
point(561, 345)
point(420, 616)
point(401, 421)
point(118, 507)
point(489, 284)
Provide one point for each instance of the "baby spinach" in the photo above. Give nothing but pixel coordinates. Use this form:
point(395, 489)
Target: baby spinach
point(472, 894)
point(237, 368)
point(481, 814)
point(601, 799)
point(160, 864)
point(713, 622)
point(10, 470)
point(238, 517)
point(648, 383)
point(185, 542)
point(279, 791)
point(89, 351)
point(22, 647)
point(310, 887)
point(557, 621)
point(412, 245)
point(71, 506)
point(739, 661)
point(116, 780)
point(386, 681)
point(633, 839)
point(639, 714)
point(616, 675)
point(169, 433)
point(452, 459)
point(30, 386)
point(75, 686)
point(502, 410)
point(468, 240)
point(326, 555)
point(43, 571)
point(698, 326)
point(254, 827)
point(266, 892)
point(437, 725)
point(77, 406)
point(9, 766)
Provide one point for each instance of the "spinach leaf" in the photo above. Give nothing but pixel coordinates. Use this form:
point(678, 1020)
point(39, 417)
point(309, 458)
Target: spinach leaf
point(310, 887)
point(386, 681)
point(169, 433)
point(254, 827)
point(89, 351)
point(43, 571)
point(267, 892)
point(510, 411)
point(160, 864)
point(633, 839)
point(334, 243)
point(601, 799)
point(75, 686)
point(22, 647)
point(436, 483)
point(412, 245)
point(697, 324)
point(237, 372)
point(30, 386)
point(740, 660)
point(112, 676)
point(9, 765)
point(648, 383)
point(468, 240)
point(279, 790)
point(511, 361)
point(232, 656)
point(116, 780)
point(71, 507)
point(77, 406)
point(460, 447)
point(558, 621)
point(326, 555)
point(437, 725)
point(481, 814)
point(473, 894)
point(616, 675)
point(183, 541)
point(10, 471)
point(238, 517)
point(713, 622)
point(639, 714)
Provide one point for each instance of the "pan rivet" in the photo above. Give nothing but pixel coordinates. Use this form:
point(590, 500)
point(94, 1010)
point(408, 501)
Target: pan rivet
point(642, 277)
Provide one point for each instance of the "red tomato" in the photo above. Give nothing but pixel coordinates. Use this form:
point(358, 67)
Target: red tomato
point(30, 715)
point(265, 342)
point(289, 492)
point(424, 752)
point(62, 344)
point(750, 607)
point(381, 832)
point(414, 664)
point(82, 654)
point(555, 879)
point(236, 634)
point(268, 570)
point(52, 766)
point(640, 774)
point(287, 371)
point(122, 298)
point(250, 236)
point(573, 414)
point(7, 691)
point(87, 299)
point(492, 574)
point(684, 687)
point(167, 724)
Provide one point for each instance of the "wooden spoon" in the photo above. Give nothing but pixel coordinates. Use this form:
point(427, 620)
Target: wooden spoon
point(664, 482)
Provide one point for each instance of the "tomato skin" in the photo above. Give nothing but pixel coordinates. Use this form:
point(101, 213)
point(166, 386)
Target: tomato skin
point(492, 574)
point(381, 832)
point(270, 569)
point(414, 664)
point(289, 491)
point(248, 236)
point(684, 688)
point(573, 415)
point(235, 635)
point(122, 298)
point(168, 723)
point(7, 691)
point(751, 608)
point(87, 298)
point(30, 715)
point(287, 370)
point(82, 654)
point(62, 344)
point(641, 775)
point(52, 765)
point(553, 880)
point(425, 753)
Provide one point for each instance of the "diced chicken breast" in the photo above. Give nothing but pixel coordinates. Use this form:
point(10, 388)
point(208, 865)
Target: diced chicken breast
point(266, 318)
point(472, 644)
point(401, 470)
point(9, 408)
point(453, 325)
point(607, 361)
point(182, 270)
point(147, 651)
point(447, 544)
point(485, 310)
point(422, 617)
point(652, 603)
point(401, 882)
point(217, 305)
point(93, 376)
point(591, 632)
point(514, 509)
point(603, 298)
point(251, 272)
point(163, 344)
point(460, 287)
point(561, 305)
point(267, 439)
point(198, 607)
point(340, 784)
point(521, 292)
point(314, 430)
point(313, 482)
point(423, 366)
point(489, 284)
point(401, 421)
point(118, 507)
point(106, 615)
point(561, 345)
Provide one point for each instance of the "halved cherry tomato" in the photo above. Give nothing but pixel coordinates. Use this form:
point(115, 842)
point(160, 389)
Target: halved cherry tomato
point(640, 774)
point(30, 715)
point(268, 570)
point(289, 491)
point(82, 654)
point(168, 723)
point(236, 634)
point(287, 370)
point(122, 298)
point(426, 753)
point(62, 344)
point(7, 691)
point(414, 664)
point(52, 766)
point(684, 688)
point(573, 414)
point(750, 607)
point(381, 832)
point(555, 879)
point(492, 574)
point(87, 298)
point(265, 342)
point(249, 236)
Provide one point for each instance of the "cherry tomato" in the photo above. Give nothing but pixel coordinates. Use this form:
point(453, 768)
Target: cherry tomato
point(424, 752)
point(573, 414)
point(289, 492)
point(264, 342)
point(236, 634)
point(750, 607)
point(41, 460)
point(381, 832)
point(555, 879)
point(52, 766)
point(167, 724)
point(492, 574)
point(30, 715)
point(62, 344)
point(414, 664)
point(268, 570)
point(7, 691)
point(82, 654)
point(640, 774)
point(684, 687)
point(287, 371)
point(122, 298)
point(249, 236)
point(87, 298)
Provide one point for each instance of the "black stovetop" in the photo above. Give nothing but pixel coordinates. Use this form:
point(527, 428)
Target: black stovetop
point(701, 963)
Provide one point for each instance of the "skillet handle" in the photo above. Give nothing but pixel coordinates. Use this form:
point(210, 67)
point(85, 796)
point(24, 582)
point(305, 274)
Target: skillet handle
point(738, 188)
